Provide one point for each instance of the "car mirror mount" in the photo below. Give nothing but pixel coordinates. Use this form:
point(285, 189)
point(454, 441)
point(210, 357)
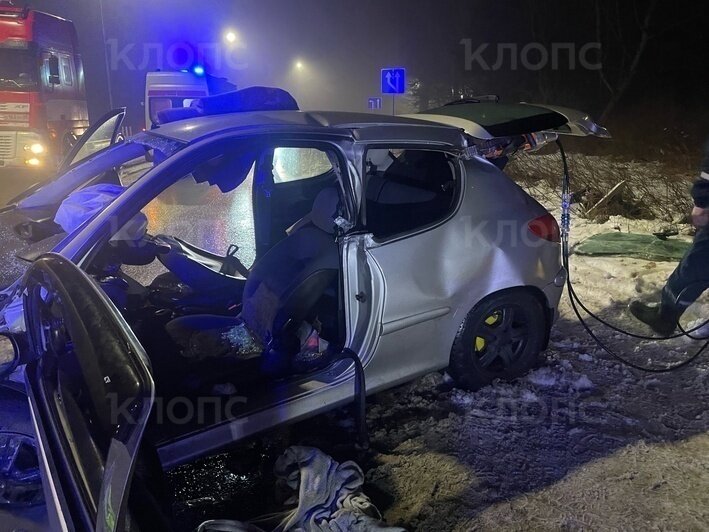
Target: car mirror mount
point(9, 356)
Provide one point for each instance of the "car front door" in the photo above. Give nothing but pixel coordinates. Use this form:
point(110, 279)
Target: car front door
point(102, 134)
point(90, 392)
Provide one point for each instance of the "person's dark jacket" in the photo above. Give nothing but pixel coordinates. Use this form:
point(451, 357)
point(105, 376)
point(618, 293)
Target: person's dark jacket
point(700, 189)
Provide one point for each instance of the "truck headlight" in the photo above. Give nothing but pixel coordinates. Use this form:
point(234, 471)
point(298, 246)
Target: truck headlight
point(34, 146)
point(37, 148)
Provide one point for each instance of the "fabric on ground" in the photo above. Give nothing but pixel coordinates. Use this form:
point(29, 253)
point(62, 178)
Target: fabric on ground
point(647, 247)
point(327, 498)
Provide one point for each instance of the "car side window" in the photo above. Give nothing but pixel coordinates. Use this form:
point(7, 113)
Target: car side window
point(296, 164)
point(408, 189)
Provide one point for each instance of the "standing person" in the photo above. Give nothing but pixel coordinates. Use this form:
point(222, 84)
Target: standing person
point(691, 277)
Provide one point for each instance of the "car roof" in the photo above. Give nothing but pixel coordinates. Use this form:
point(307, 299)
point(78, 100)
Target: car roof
point(359, 126)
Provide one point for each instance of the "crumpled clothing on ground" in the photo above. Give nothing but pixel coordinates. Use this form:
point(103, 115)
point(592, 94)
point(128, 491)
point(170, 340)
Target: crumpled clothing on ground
point(328, 498)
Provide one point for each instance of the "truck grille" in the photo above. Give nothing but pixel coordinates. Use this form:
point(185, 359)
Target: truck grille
point(7, 145)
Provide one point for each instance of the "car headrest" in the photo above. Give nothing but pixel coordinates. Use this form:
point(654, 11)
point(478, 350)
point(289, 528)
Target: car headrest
point(324, 209)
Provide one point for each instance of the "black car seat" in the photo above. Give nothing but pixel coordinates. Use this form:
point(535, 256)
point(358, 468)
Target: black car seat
point(290, 279)
point(282, 288)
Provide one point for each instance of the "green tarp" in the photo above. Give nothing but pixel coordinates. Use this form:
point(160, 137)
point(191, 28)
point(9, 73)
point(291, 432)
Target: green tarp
point(647, 247)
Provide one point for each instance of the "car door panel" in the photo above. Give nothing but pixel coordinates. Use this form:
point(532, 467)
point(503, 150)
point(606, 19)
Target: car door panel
point(422, 285)
point(102, 134)
point(91, 393)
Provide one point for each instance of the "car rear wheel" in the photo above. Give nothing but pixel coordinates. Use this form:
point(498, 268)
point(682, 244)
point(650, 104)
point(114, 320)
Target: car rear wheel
point(501, 338)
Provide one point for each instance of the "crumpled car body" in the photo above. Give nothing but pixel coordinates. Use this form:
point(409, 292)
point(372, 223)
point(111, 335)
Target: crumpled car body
point(427, 231)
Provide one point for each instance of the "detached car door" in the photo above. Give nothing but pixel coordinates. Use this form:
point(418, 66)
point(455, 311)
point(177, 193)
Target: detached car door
point(91, 393)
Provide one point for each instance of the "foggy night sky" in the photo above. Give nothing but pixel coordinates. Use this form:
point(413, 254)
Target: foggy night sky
point(343, 44)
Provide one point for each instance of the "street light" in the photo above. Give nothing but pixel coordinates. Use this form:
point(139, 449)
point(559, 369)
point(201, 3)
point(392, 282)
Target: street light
point(231, 37)
point(234, 39)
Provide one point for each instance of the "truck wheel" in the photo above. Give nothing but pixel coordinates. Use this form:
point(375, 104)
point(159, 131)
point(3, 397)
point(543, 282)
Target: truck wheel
point(20, 478)
point(501, 338)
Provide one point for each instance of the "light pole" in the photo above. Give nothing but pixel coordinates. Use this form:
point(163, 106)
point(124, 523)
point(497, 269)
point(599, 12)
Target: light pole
point(105, 53)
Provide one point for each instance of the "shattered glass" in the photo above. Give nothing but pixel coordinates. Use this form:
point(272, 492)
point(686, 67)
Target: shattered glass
point(241, 342)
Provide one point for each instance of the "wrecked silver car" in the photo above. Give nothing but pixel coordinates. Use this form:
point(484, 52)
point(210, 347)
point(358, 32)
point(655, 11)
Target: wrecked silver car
point(266, 264)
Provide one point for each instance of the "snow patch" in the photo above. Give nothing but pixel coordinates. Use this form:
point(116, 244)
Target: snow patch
point(543, 377)
point(583, 383)
point(529, 396)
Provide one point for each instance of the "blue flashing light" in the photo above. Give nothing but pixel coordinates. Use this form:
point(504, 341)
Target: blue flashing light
point(198, 70)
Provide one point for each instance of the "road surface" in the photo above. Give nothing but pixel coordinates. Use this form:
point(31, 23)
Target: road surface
point(12, 182)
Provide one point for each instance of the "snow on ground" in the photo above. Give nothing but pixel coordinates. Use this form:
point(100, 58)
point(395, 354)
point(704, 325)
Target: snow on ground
point(581, 442)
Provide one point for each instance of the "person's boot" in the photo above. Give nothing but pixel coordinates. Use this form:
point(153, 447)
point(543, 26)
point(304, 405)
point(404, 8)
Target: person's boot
point(661, 317)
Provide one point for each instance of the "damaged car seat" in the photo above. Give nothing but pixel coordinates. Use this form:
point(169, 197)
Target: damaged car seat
point(281, 292)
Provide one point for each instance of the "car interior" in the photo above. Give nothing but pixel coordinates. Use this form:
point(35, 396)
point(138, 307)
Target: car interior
point(264, 311)
point(242, 321)
point(209, 318)
point(408, 189)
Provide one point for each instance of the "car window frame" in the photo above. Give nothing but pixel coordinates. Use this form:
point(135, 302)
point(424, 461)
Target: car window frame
point(459, 170)
point(84, 246)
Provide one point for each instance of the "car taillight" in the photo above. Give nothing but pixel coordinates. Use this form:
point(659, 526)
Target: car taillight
point(546, 227)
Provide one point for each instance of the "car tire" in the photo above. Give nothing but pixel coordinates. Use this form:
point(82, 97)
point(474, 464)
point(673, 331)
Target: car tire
point(501, 338)
point(20, 481)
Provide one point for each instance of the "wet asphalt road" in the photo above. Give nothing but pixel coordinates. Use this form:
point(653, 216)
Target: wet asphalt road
point(13, 182)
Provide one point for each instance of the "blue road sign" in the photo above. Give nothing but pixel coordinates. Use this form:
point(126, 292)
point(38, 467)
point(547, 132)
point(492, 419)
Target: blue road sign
point(374, 103)
point(393, 80)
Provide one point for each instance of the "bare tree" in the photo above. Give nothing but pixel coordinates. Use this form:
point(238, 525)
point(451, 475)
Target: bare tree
point(619, 61)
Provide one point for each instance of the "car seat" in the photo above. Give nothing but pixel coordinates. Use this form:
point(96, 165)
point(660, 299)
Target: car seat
point(282, 289)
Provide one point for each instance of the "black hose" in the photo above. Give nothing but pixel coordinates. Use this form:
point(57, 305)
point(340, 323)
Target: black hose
point(575, 300)
point(360, 398)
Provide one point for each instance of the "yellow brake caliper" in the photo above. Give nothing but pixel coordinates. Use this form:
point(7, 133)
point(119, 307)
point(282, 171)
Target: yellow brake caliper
point(480, 342)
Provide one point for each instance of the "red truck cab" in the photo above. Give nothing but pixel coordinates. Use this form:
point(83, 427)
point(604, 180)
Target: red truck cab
point(43, 106)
